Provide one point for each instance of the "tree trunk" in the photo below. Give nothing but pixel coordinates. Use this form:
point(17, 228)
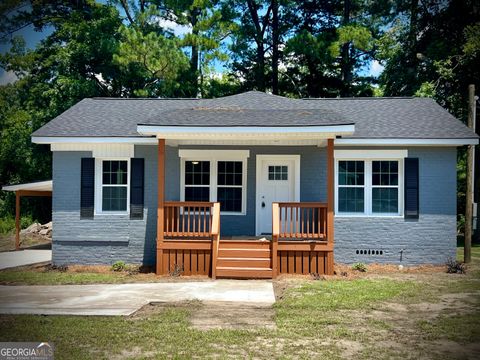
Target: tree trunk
point(194, 56)
point(346, 67)
point(275, 41)
point(260, 81)
point(259, 31)
point(467, 251)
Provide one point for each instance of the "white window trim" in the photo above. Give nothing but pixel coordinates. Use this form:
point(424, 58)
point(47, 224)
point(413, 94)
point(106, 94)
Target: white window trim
point(99, 186)
point(214, 156)
point(380, 156)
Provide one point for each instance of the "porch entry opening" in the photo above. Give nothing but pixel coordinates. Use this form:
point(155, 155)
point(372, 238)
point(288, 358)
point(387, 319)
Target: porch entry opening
point(277, 181)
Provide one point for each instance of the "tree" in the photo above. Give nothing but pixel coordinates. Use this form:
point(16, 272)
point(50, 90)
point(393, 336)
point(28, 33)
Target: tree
point(331, 43)
point(72, 63)
point(156, 60)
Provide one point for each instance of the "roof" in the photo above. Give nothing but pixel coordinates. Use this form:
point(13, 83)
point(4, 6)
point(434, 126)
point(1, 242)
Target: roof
point(407, 118)
point(33, 186)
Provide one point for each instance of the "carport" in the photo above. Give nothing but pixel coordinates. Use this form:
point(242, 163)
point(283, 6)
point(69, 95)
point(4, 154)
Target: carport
point(40, 188)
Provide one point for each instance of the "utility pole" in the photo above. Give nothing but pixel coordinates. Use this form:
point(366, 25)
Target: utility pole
point(467, 254)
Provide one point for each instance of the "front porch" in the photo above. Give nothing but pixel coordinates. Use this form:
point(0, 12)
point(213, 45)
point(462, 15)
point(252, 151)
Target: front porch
point(190, 241)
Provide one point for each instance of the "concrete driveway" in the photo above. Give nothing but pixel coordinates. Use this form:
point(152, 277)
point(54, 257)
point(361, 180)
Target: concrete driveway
point(125, 299)
point(11, 259)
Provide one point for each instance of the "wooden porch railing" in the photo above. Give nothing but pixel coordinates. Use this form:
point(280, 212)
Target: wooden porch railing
point(300, 238)
point(188, 220)
point(190, 238)
point(302, 221)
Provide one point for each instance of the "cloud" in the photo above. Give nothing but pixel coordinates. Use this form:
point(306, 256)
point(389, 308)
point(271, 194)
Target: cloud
point(7, 77)
point(177, 29)
point(376, 68)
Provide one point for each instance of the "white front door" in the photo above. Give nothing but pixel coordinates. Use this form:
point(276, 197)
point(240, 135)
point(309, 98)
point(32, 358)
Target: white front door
point(277, 181)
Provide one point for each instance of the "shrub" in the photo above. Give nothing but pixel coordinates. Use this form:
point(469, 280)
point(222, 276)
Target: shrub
point(119, 266)
point(177, 270)
point(317, 276)
point(455, 267)
point(60, 268)
point(132, 269)
point(359, 267)
point(26, 221)
point(7, 225)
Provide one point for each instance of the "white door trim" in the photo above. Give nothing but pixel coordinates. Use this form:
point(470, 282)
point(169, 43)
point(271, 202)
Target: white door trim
point(296, 185)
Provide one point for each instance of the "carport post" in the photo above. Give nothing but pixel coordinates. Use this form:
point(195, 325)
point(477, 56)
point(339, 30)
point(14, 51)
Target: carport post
point(17, 220)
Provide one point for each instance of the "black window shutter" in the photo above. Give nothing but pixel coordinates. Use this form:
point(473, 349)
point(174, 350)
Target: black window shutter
point(411, 188)
point(137, 168)
point(87, 188)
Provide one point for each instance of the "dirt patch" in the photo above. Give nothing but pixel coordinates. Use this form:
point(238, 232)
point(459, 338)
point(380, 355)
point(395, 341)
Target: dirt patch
point(345, 271)
point(217, 315)
point(133, 353)
point(350, 349)
point(455, 350)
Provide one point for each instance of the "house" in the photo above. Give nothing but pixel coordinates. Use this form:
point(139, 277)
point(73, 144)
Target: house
point(254, 185)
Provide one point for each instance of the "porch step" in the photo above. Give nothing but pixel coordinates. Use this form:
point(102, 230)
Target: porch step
point(244, 259)
point(243, 253)
point(244, 244)
point(244, 262)
point(244, 272)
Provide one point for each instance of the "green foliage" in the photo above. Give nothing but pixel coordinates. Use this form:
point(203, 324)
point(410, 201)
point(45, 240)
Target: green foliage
point(157, 58)
point(427, 89)
point(361, 267)
point(359, 36)
point(119, 266)
point(7, 225)
point(472, 40)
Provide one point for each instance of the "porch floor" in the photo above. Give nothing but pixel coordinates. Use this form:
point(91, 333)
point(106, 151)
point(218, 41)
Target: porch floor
point(247, 237)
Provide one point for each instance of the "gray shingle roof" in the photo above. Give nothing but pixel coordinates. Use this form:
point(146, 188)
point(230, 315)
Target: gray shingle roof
point(236, 116)
point(373, 117)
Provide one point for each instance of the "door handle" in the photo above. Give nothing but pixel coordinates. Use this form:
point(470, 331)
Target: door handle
point(263, 204)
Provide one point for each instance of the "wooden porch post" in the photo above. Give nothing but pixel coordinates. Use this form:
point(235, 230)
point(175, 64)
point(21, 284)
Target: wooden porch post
point(330, 203)
point(17, 220)
point(160, 204)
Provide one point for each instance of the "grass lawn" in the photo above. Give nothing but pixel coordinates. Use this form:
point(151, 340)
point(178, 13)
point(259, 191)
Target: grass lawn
point(427, 315)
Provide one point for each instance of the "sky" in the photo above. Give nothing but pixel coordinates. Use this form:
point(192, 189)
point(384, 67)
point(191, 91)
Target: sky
point(32, 38)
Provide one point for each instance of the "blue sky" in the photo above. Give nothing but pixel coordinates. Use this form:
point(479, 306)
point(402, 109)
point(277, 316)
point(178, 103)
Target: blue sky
point(33, 37)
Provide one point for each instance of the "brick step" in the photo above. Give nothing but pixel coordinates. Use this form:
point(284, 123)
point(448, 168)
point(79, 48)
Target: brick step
point(243, 273)
point(243, 253)
point(244, 244)
point(244, 262)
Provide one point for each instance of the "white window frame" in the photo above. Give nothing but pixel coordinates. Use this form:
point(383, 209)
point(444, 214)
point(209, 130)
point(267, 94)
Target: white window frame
point(368, 156)
point(99, 186)
point(214, 156)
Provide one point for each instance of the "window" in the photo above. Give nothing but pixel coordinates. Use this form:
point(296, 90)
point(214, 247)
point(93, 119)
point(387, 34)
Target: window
point(215, 175)
point(229, 190)
point(351, 186)
point(385, 187)
point(197, 181)
point(278, 172)
point(114, 186)
point(369, 187)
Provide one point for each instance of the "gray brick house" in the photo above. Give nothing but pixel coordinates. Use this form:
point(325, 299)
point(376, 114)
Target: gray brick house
point(253, 185)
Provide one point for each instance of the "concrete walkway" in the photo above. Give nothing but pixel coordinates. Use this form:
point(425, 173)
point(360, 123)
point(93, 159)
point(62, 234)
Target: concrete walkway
point(125, 299)
point(11, 259)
